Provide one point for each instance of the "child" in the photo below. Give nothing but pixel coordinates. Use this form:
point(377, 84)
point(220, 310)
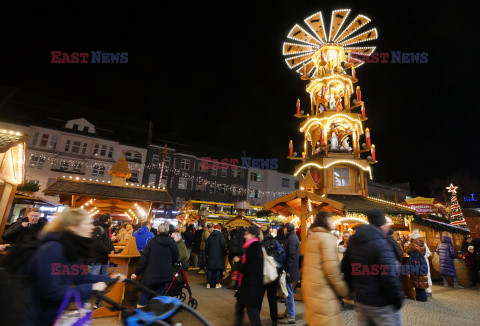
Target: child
point(469, 262)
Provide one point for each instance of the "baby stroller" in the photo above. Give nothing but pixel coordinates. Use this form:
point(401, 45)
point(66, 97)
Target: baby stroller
point(160, 310)
point(180, 282)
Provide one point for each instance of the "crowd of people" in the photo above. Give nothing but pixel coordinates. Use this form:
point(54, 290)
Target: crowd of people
point(362, 266)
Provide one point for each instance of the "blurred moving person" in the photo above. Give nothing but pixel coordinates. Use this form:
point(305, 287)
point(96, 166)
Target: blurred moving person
point(446, 254)
point(25, 229)
point(143, 235)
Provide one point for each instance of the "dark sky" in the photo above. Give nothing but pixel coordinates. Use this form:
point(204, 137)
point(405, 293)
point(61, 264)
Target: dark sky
point(213, 72)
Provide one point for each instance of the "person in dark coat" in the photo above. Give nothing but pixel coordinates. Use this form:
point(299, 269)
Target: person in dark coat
point(395, 245)
point(188, 239)
point(249, 294)
point(446, 254)
point(60, 263)
point(197, 241)
point(156, 263)
point(143, 235)
point(280, 234)
point(215, 250)
point(378, 294)
point(292, 249)
point(466, 243)
point(237, 240)
point(28, 227)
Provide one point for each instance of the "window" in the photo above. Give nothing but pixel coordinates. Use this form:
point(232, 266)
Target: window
point(86, 129)
point(67, 145)
point(223, 173)
point(104, 150)
point(138, 157)
point(76, 147)
point(95, 149)
point(151, 179)
point(255, 177)
point(53, 142)
point(155, 159)
point(221, 189)
point(110, 151)
point(84, 148)
point(77, 167)
point(34, 139)
point(44, 140)
point(238, 174)
point(212, 188)
point(182, 183)
point(133, 177)
point(64, 166)
point(167, 163)
point(214, 171)
point(341, 177)
point(254, 193)
point(32, 181)
point(179, 202)
point(164, 181)
point(285, 183)
point(171, 182)
point(297, 184)
point(37, 162)
point(75, 127)
point(98, 170)
point(185, 164)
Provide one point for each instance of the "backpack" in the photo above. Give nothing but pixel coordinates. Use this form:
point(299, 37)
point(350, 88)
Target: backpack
point(275, 249)
point(270, 273)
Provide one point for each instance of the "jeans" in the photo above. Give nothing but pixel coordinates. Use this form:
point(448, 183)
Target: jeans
point(252, 311)
point(445, 281)
point(202, 260)
point(189, 252)
point(271, 289)
point(98, 269)
point(213, 275)
point(290, 301)
point(195, 259)
point(160, 288)
point(378, 316)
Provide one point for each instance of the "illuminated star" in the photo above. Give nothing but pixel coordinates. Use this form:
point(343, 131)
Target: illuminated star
point(452, 189)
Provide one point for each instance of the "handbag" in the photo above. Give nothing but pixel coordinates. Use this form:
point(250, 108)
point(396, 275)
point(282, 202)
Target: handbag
point(282, 291)
point(79, 317)
point(270, 273)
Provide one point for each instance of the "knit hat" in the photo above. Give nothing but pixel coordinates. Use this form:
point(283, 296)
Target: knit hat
point(471, 247)
point(290, 227)
point(376, 217)
point(253, 230)
point(415, 235)
point(218, 227)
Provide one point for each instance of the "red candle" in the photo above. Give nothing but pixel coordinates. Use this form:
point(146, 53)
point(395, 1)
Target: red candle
point(298, 106)
point(290, 148)
point(322, 94)
point(373, 153)
point(363, 111)
point(354, 75)
point(359, 94)
point(367, 134)
point(321, 137)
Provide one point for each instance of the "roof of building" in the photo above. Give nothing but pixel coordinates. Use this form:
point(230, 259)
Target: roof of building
point(362, 204)
point(104, 190)
point(10, 138)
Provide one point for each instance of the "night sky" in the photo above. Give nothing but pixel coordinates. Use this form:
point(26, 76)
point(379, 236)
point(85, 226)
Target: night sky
point(213, 72)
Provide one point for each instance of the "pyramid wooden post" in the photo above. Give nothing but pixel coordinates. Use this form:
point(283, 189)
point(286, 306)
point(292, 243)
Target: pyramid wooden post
point(126, 265)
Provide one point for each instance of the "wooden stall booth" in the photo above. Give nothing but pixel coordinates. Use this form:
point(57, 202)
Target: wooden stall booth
point(115, 197)
point(12, 170)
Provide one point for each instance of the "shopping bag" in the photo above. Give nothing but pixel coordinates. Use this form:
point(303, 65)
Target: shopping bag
point(270, 273)
point(78, 317)
point(282, 291)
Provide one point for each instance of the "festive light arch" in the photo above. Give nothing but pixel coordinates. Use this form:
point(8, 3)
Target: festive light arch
point(352, 122)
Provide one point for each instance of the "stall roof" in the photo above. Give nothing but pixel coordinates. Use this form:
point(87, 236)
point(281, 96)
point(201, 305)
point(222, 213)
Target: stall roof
point(362, 204)
point(9, 139)
point(105, 190)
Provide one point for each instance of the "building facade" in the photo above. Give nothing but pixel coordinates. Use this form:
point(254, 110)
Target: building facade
point(265, 185)
point(76, 149)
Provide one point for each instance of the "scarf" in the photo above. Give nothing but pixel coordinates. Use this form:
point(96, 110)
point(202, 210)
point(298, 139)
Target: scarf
point(244, 257)
point(76, 247)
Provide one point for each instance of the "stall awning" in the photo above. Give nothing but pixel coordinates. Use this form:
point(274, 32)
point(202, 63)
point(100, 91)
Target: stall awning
point(362, 204)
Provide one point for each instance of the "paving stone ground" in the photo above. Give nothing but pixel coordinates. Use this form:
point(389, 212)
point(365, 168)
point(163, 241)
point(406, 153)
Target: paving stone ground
point(447, 307)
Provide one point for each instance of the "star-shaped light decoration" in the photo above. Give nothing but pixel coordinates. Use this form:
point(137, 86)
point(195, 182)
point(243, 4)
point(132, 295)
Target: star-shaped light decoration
point(452, 189)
